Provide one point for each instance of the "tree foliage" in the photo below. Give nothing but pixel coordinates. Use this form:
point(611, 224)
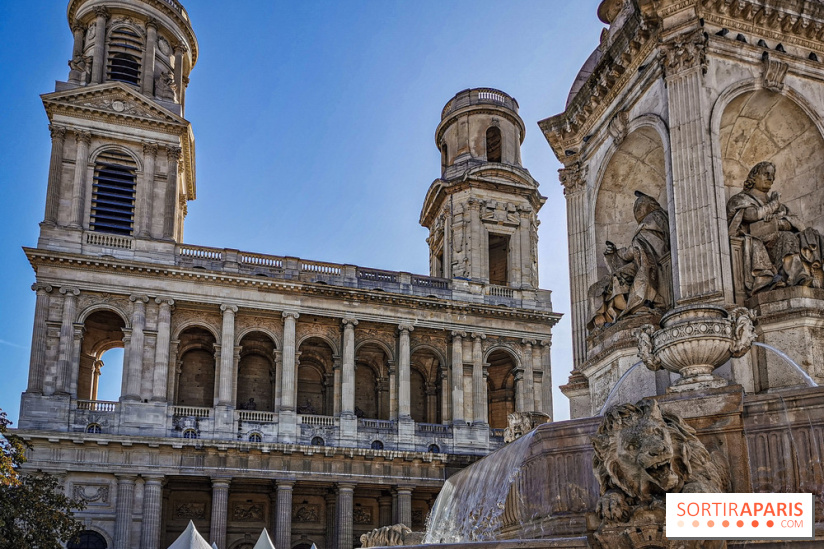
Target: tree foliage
point(34, 511)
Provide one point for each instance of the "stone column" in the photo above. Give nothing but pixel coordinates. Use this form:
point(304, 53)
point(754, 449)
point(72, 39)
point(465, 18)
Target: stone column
point(573, 178)
point(66, 346)
point(526, 247)
point(543, 358)
point(385, 511)
point(147, 79)
point(164, 334)
point(97, 366)
point(146, 191)
point(404, 373)
point(77, 343)
point(405, 505)
point(457, 379)
point(331, 521)
point(180, 51)
point(58, 135)
point(346, 494)
point(227, 347)
point(81, 163)
point(348, 378)
point(391, 367)
point(152, 506)
point(476, 268)
point(123, 511)
point(134, 368)
point(478, 386)
point(220, 503)
point(283, 531)
point(173, 157)
point(37, 361)
point(697, 247)
point(174, 371)
point(78, 32)
point(446, 391)
point(273, 510)
point(527, 385)
point(99, 62)
point(336, 395)
point(288, 393)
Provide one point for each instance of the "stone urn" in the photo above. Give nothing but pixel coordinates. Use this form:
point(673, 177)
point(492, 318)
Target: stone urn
point(693, 341)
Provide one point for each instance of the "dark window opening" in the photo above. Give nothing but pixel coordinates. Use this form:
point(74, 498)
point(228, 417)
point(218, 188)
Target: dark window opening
point(493, 144)
point(498, 254)
point(88, 540)
point(439, 269)
point(317, 441)
point(125, 52)
point(434, 448)
point(113, 195)
point(444, 155)
point(377, 445)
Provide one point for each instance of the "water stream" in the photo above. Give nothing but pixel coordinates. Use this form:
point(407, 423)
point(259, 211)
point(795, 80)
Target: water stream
point(614, 390)
point(807, 379)
point(471, 503)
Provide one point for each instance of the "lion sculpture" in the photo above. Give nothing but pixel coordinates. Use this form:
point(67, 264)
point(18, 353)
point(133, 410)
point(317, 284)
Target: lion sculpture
point(641, 453)
point(391, 536)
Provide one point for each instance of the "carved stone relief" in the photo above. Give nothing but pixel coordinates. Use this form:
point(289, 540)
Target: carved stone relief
point(92, 494)
point(362, 515)
point(305, 513)
point(191, 511)
point(248, 512)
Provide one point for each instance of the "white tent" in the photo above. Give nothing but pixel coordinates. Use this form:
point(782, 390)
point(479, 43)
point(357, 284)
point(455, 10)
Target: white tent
point(190, 539)
point(214, 545)
point(264, 541)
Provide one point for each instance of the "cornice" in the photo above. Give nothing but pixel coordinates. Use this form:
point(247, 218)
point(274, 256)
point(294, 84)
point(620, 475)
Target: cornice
point(38, 257)
point(482, 108)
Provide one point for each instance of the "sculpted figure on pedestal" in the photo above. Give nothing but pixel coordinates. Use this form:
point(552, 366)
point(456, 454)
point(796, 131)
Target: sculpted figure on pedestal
point(778, 249)
point(634, 280)
point(165, 87)
point(81, 68)
point(391, 536)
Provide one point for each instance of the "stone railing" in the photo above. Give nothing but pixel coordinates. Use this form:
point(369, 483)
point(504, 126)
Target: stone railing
point(381, 424)
point(352, 276)
point(191, 411)
point(109, 240)
point(322, 421)
point(479, 96)
point(497, 433)
point(97, 405)
point(256, 416)
point(433, 428)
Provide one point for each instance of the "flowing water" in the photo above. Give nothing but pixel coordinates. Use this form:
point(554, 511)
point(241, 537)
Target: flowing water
point(471, 503)
point(614, 390)
point(807, 379)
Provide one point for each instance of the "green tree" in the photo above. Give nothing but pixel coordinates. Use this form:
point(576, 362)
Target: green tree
point(34, 511)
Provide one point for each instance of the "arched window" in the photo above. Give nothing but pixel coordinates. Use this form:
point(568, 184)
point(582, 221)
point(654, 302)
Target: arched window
point(444, 154)
point(317, 441)
point(125, 52)
point(113, 193)
point(190, 433)
point(377, 445)
point(94, 428)
point(88, 539)
point(434, 448)
point(493, 144)
point(255, 437)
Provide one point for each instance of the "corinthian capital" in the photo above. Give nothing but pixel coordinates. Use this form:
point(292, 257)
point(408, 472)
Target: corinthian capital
point(101, 11)
point(150, 148)
point(573, 178)
point(57, 132)
point(685, 52)
point(173, 153)
point(82, 136)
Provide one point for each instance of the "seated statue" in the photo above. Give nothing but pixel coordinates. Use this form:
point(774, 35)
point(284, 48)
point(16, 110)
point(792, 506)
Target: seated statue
point(778, 249)
point(634, 280)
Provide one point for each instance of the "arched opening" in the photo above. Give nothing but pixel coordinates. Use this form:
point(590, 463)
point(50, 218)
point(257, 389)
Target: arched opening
point(314, 376)
point(498, 259)
point(426, 388)
point(125, 52)
point(195, 384)
point(444, 154)
point(500, 388)
point(493, 144)
point(113, 193)
point(88, 539)
point(101, 353)
point(371, 382)
point(256, 373)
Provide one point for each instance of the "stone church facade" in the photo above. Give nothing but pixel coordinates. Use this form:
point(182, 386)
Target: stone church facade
point(318, 400)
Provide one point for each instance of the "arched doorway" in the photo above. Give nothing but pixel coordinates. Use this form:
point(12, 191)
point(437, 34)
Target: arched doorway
point(500, 388)
point(256, 373)
point(102, 339)
point(195, 384)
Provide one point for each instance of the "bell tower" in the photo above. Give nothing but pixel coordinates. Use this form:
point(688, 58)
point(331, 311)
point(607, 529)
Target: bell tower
point(482, 212)
point(122, 163)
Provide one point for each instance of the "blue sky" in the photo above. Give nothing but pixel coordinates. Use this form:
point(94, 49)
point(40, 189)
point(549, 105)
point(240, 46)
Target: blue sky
point(314, 125)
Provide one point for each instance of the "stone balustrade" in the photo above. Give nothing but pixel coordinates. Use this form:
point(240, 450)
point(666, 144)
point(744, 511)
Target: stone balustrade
point(479, 96)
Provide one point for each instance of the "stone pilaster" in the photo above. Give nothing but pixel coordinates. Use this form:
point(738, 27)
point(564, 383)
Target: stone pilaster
point(288, 389)
point(147, 80)
point(446, 392)
point(385, 511)
point(543, 361)
point(478, 385)
point(66, 346)
point(331, 520)
point(77, 342)
point(123, 511)
point(405, 505)
point(164, 334)
point(697, 245)
point(180, 52)
point(58, 135)
point(457, 379)
point(173, 158)
point(392, 367)
point(227, 346)
point(78, 33)
point(346, 494)
point(37, 361)
point(404, 373)
point(283, 530)
point(348, 379)
point(476, 266)
point(220, 504)
point(526, 388)
point(134, 368)
point(145, 192)
point(525, 230)
point(573, 178)
point(336, 394)
point(81, 162)
point(99, 61)
point(152, 507)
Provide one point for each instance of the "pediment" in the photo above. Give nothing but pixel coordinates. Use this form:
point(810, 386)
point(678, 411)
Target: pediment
point(113, 100)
